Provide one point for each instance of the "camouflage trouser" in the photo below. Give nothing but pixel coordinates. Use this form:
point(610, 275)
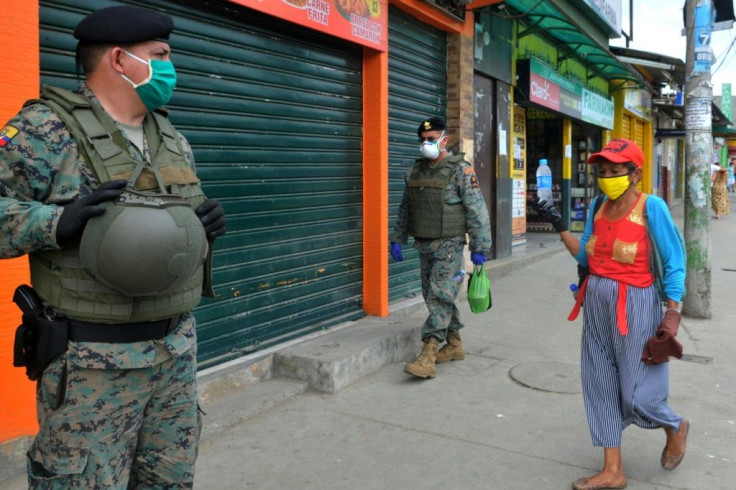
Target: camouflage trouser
point(116, 428)
point(440, 285)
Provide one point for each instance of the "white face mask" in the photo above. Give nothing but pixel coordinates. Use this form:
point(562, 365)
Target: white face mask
point(431, 149)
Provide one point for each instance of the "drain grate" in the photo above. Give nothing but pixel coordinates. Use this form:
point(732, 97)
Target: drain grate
point(553, 377)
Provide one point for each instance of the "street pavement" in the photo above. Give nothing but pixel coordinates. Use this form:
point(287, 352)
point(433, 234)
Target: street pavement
point(509, 416)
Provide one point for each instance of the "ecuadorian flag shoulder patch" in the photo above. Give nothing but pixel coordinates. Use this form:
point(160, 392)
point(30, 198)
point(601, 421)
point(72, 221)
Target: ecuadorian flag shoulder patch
point(7, 134)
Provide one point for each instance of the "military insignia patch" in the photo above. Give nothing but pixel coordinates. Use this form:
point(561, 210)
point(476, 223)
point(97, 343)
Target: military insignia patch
point(7, 134)
point(471, 173)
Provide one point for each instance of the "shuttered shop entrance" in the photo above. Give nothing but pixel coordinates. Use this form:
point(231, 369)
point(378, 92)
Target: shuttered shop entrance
point(417, 88)
point(273, 112)
point(632, 128)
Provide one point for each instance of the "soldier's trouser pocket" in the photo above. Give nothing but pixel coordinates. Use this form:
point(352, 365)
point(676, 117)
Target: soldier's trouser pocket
point(445, 277)
point(56, 467)
point(54, 461)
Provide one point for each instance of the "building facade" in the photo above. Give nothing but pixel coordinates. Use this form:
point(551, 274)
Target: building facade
point(302, 115)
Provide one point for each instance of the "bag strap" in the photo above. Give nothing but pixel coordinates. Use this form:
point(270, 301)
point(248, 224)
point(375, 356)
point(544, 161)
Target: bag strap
point(597, 203)
point(653, 253)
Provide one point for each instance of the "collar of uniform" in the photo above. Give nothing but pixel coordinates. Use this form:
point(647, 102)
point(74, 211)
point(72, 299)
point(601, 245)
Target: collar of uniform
point(87, 92)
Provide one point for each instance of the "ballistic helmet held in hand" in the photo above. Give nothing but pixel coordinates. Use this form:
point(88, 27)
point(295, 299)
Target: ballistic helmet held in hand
point(144, 244)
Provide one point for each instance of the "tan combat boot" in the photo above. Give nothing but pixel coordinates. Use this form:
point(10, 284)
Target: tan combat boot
point(452, 350)
point(423, 366)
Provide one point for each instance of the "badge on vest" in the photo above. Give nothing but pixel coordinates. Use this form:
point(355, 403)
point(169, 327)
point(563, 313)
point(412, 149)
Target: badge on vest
point(7, 134)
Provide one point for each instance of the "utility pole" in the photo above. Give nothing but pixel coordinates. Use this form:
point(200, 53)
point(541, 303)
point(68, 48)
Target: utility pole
point(698, 154)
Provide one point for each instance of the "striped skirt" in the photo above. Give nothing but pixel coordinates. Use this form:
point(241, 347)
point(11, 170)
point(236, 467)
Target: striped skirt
point(618, 388)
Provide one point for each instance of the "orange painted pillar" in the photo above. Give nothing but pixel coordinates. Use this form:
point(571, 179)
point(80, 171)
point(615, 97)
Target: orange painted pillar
point(375, 182)
point(19, 34)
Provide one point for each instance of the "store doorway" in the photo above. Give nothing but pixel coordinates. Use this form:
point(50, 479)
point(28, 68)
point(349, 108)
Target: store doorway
point(485, 146)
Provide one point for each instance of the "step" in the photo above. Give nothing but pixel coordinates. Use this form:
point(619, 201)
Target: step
point(331, 362)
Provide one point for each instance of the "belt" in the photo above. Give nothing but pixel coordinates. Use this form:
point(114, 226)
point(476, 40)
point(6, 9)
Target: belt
point(121, 332)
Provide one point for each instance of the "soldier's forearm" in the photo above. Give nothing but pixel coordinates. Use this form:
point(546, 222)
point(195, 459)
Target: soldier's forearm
point(26, 227)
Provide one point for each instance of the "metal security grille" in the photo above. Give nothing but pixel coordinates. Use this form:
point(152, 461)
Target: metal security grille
point(417, 87)
point(273, 112)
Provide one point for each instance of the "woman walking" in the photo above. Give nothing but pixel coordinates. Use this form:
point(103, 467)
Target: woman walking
point(627, 340)
point(719, 197)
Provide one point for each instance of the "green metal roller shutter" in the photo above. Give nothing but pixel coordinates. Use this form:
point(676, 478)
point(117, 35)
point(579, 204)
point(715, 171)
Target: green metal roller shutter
point(273, 112)
point(417, 89)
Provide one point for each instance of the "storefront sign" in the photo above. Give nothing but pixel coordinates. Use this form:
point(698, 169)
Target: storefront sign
point(549, 89)
point(361, 21)
point(597, 109)
point(544, 92)
point(726, 101)
point(638, 102)
point(609, 11)
point(669, 133)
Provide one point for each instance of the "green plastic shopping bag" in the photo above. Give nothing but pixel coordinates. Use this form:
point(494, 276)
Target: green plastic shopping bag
point(479, 290)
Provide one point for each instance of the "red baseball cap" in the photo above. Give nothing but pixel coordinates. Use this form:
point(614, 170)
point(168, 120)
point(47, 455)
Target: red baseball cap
point(619, 150)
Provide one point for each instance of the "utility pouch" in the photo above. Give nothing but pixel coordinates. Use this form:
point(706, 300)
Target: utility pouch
point(38, 340)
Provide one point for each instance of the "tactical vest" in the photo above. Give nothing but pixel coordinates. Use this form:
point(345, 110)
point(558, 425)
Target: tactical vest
point(59, 276)
point(430, 216)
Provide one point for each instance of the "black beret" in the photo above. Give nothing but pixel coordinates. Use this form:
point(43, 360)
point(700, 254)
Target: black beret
point(431, 124)
point(124, 25)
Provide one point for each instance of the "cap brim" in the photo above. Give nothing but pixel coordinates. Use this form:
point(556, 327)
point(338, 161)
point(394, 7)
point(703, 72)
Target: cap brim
point(611, 157)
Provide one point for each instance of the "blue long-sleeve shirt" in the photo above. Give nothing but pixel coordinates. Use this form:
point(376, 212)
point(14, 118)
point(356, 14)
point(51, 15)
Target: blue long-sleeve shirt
point(662, 229)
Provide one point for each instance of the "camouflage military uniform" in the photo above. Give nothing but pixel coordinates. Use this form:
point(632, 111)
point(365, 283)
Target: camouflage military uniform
point(442, 259)
point(111, 415)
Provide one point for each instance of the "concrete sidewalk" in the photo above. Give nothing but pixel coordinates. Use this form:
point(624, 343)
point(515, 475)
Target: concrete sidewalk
point(336, 411)
point(509, 416)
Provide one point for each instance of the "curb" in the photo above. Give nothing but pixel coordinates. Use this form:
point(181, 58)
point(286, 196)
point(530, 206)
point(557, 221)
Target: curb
point(331, 360)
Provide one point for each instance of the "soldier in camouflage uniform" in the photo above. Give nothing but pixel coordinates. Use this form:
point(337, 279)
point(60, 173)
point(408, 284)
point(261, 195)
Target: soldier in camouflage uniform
point(118, 409)
point(441, 203)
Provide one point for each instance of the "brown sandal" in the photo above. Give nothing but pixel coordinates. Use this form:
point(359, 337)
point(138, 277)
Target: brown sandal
point(672, 462)
point(584, 484)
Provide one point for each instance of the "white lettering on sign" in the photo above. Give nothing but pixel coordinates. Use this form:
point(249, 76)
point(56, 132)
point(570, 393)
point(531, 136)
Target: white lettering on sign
point(365, 28)
point(541, 90)
point(608, 10)
point(318, 11)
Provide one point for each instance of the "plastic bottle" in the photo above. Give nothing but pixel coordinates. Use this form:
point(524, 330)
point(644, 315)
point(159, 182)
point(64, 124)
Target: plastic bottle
point(544, 181)
point(574, 289)
point(459, 277)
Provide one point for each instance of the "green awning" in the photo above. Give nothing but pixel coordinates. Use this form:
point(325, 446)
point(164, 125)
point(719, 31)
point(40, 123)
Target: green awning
point(545, 18)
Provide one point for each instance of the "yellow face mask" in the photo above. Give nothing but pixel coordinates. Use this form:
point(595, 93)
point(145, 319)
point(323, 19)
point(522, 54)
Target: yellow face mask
point(613, 187)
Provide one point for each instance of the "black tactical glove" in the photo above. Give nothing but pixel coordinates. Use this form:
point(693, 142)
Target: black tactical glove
point(212, 217)
point(549, 213)
point(75, 215)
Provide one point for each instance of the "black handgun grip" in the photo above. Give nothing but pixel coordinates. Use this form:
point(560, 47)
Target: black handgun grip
point(27, 299)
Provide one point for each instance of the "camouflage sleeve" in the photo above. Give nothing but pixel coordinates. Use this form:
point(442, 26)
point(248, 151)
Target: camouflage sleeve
point(39, 171)
point(400, 233)
point(476, 211)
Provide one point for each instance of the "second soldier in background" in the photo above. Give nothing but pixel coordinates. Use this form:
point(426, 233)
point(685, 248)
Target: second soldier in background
point(442, 203)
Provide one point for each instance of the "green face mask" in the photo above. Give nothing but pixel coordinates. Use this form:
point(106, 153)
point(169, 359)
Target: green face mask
point(157, 88)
